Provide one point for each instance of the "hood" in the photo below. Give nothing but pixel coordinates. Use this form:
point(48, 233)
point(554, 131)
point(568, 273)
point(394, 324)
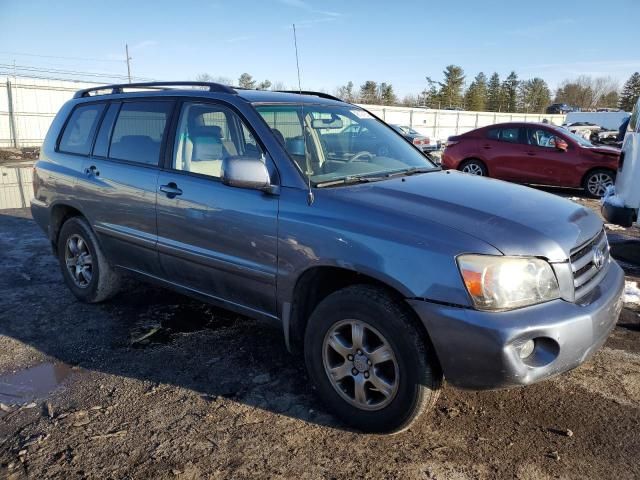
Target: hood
point(606, 150)
point(516, 220)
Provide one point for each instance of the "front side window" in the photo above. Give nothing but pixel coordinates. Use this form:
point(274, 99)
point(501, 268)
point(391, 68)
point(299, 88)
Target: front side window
point(333, 143)
point(80, 129)
point(208, 134)
point(539, 137)
point(139, 131)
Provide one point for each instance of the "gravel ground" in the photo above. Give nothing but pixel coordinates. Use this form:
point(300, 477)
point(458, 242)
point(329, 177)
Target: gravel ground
point(155, 385)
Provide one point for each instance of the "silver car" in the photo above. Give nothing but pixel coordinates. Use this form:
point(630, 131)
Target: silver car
point(385, 273)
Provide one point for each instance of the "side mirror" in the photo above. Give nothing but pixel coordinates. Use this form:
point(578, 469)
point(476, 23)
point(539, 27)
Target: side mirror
point(245, 172)
point(561, 144)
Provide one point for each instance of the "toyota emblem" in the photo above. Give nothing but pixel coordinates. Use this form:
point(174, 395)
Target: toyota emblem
point(598, 258)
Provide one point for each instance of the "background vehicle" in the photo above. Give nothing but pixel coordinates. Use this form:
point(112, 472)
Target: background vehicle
point(419, 140)
point(622, 202)
point(559, 108)
point(533, 153)
point(383, 270)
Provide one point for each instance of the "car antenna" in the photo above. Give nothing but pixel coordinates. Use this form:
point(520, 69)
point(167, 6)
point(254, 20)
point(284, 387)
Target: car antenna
point(310, 197)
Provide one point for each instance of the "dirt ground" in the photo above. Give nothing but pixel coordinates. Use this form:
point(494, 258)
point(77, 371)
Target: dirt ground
point(155, 385)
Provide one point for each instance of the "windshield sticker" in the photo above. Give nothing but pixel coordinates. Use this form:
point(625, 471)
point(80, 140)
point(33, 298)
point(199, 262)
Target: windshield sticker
point(361, 113)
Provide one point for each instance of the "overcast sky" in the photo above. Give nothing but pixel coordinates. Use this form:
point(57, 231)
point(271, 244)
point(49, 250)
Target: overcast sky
point(338, 40)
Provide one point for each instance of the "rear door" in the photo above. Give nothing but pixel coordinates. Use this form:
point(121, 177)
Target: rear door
point(217, 240)
point(120, 181)
point(505, 153)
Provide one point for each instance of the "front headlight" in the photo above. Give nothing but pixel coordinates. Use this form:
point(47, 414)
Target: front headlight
point(505, 283)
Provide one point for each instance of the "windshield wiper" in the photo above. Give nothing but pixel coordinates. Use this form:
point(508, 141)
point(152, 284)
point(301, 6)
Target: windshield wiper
point(350, 179)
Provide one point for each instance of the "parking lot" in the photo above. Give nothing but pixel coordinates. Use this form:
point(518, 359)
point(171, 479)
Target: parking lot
point(155, 385)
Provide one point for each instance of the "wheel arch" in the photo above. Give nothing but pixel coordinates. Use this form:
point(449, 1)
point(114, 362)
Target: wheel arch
point(318, 282)
point(60, 213)
point(475, 159)
point(595, 169)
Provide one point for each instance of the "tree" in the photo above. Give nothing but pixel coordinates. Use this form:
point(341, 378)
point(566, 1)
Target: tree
point(510, 92)
point(494, 94)
point(264, 85)
point(630, 93)
point(587, 92)
point(410, 101)
point(476, 95)
point(534, 97)
point(387, 95)
point(369, 92)
point(246, 81)
point(205, 77)
point(450, 93)
point(429, 96)
point(345, 92)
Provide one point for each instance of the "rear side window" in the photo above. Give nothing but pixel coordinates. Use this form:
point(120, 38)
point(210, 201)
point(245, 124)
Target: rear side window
point(511, 135)
point(139, 131)
point(633, 121)
point(80, 129)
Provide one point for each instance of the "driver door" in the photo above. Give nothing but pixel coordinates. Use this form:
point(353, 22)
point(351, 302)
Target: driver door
point(547, 164)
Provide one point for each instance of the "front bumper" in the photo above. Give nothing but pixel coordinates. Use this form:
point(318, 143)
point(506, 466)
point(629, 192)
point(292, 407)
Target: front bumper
point(479, 350)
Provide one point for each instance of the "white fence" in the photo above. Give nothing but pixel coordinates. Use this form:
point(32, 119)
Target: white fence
point(28, 105)
point(441, 124)
point(16, 188)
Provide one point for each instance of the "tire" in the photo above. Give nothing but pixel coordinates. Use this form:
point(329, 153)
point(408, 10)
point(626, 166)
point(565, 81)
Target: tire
point(474, 167)
point(411, 372)
point(97, 280)
point(596, 182)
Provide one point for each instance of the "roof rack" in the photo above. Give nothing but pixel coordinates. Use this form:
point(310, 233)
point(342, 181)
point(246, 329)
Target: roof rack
point(315, 94)
point(120, 87)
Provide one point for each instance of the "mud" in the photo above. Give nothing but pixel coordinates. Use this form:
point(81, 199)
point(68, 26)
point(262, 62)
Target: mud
point(156, 385)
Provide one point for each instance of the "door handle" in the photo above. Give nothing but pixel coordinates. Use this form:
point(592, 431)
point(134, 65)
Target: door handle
point(531, 154)
point(171, 189)
point(92, 171)
point(487, 147)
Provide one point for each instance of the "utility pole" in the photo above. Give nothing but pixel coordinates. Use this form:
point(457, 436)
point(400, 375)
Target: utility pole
point(126, 49)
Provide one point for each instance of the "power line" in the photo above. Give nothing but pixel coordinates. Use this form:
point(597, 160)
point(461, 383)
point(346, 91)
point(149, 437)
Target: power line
point(39, 70)
point(60, 57)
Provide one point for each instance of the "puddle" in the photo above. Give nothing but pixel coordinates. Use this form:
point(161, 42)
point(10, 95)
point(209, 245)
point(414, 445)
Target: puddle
point(160, 323)
point(33, 383)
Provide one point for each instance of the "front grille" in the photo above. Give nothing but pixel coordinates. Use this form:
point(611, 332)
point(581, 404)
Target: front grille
point(586, 274)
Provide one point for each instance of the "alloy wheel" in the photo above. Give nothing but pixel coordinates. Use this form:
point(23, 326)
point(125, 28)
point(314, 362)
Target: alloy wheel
point(78, 260)
point(473, 169)
point(598, 183)
point(360, 364)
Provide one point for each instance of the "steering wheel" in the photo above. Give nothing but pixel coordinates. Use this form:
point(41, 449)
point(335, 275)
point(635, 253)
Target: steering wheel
point(359, 155)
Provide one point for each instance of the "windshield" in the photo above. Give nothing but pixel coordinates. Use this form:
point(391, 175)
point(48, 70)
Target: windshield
point(577, 138)
point(340, 142)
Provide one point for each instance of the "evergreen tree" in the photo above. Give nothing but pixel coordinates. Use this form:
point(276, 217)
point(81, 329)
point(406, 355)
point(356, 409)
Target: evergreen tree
point(451, 87)
point(246, 81)
point(476, 96)
point(387, 95)
point(369, 92)
point(534, 96)
point(346, 93)
point(630, 93)
point(429, 96)
point(264, 85)
point(510, 92)
point(494, 94)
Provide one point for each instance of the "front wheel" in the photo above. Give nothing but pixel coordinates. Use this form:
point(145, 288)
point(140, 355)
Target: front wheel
point(474, 167)
point(369, 361)
point(596, 182)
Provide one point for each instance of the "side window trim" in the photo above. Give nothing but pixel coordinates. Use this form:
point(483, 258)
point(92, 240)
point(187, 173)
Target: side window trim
point(95, 139)
point(95, 132)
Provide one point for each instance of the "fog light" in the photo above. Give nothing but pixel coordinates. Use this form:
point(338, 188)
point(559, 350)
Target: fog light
point(526, 349)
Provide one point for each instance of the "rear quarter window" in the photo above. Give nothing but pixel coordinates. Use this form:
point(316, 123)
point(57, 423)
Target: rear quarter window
point(80, 129)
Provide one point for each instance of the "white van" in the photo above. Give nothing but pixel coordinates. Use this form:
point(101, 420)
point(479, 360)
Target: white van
point(620, 204)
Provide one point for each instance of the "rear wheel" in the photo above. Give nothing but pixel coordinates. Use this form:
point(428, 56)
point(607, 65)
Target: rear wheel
point(474, 167)
point(85, 269)
point(368, 360)
point(597, 181)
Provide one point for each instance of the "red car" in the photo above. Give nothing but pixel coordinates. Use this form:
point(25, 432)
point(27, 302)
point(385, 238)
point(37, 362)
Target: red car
point(536, 153)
